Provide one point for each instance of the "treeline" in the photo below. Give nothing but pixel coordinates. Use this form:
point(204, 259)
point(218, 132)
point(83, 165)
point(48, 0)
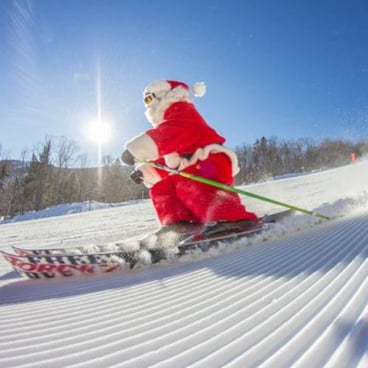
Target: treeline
point(272, 157)
point(57, 173)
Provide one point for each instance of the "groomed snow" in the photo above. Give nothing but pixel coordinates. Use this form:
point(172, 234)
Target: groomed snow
point(294, 297)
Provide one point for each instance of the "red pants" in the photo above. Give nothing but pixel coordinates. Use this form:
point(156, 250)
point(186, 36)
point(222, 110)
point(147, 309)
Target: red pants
point(176, 198)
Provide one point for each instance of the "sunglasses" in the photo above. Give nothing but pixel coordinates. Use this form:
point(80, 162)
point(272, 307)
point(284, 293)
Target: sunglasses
point(148, 98)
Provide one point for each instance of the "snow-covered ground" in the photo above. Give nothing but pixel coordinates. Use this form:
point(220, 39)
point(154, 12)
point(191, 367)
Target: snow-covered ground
point(295, 297)
point(65, 209)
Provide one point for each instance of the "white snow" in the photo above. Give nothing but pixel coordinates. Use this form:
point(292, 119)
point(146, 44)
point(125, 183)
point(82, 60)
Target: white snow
point(294, 297)
point(64, 209)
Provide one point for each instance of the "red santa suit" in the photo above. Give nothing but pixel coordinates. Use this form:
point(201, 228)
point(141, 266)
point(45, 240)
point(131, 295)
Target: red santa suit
point(181, 138)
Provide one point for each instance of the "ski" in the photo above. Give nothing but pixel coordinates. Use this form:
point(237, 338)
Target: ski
point(232, 230)
point(51, 266)
point(276, 217)
point(210, 237)
point(59, 251)
point(63, 262)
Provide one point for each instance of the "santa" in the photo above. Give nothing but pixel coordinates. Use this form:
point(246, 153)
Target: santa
point(181, 139)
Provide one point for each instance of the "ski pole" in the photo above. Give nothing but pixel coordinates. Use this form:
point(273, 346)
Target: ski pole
point(230, 188)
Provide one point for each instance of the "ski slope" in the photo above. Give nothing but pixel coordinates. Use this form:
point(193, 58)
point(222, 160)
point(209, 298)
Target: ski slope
point(296, 297)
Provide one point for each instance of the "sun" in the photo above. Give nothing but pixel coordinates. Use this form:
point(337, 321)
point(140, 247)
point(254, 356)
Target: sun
point(99, 131)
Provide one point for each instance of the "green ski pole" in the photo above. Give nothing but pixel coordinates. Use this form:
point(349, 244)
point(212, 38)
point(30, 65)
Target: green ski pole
point(230, 188)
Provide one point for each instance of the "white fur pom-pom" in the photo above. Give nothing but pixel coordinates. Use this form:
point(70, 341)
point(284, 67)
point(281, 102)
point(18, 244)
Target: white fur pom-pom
point(199, 89)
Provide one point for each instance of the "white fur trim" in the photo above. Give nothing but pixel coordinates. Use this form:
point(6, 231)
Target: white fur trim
point(172, 160)
point(159, 88)
point(143, 147)
point(150, 175)
point(202, 154)
point(199, 89)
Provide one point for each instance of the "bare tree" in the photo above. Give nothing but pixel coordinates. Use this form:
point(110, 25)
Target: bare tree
point(65, 155)
point(66, 152)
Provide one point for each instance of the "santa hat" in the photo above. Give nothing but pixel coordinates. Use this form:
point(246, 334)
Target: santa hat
point(162, 87)
point(166, 93)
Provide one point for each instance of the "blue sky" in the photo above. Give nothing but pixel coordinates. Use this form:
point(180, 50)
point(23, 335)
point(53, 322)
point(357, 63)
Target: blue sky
point(289, 69)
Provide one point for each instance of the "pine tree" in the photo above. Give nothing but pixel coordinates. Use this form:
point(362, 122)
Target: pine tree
point(37, 182)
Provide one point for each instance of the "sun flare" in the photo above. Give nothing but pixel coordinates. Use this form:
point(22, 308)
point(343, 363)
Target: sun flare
point(99, 132)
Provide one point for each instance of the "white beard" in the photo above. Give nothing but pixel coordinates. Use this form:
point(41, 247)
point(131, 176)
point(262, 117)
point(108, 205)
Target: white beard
point(154, 113)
